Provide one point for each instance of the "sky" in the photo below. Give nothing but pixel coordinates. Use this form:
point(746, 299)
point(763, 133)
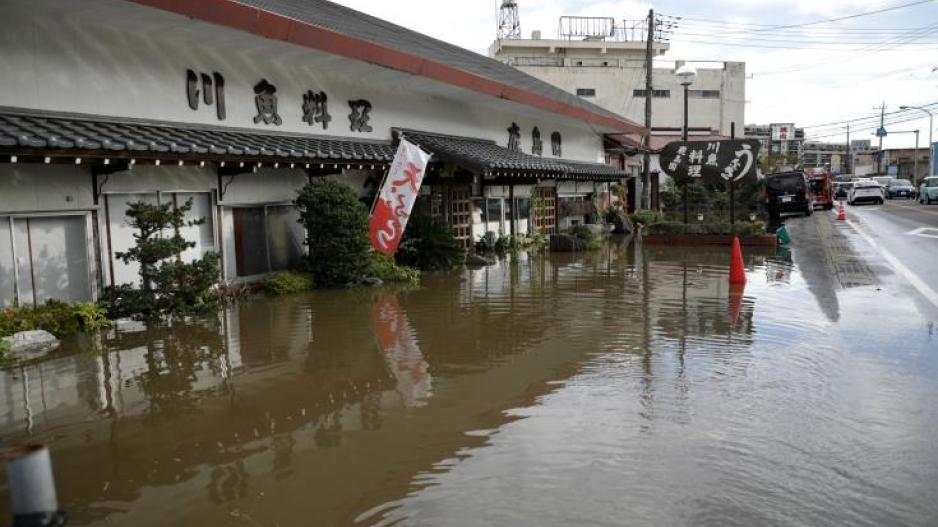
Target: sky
point(849, 67)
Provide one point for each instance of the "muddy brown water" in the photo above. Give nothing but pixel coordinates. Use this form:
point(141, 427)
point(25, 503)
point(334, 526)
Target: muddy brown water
point(623, 387)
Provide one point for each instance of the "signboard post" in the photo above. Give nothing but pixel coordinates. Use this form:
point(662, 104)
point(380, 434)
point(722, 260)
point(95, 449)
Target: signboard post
point(724, 162)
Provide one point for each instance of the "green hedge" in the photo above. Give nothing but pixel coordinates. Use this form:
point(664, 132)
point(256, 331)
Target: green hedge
point(288, 282)
point(54, 316)
point(389, 271)
point(755, 228)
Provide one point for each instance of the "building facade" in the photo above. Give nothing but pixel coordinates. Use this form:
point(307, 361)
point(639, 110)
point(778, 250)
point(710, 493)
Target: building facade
point(777, 140)
point(610, 71)
point(907, 163)
point(235, 108)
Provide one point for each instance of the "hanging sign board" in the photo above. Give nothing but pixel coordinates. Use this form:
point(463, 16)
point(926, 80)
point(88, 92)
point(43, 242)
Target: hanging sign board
point(397, 196)
point(711, 161)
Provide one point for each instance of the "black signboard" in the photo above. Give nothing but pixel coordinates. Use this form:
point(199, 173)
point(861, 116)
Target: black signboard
point(711, 161)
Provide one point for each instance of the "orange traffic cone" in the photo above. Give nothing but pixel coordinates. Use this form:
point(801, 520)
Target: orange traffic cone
point(737, 269)
point(842, 215)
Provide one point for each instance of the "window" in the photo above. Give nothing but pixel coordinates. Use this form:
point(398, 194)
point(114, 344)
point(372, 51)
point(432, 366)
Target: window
point(586, 92)
point(267, 239)
point(658, 94)
point(493, 212)
point(704, 94)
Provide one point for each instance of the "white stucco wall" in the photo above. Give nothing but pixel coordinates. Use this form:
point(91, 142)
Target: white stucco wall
point(27, 187)
point(615, 88)
point(122, 59)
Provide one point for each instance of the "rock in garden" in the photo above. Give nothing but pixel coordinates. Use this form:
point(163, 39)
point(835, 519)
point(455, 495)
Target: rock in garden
point(30, 344)
point(566, 243)
point(476, 261)
point(373, 281)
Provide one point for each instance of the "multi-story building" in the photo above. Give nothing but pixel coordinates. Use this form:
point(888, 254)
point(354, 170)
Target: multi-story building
point(838, 158)
point(603, 62)
point(777, 139)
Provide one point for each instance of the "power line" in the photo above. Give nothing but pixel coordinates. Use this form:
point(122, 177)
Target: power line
point(858, 119)
point(875, 48)
point(863, 128)
point(769, 27)
point(737, 44)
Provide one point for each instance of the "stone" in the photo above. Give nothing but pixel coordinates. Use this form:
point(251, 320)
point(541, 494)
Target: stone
point(373, 281)
point(566, 243)
point(476, 261)
point(31, 344)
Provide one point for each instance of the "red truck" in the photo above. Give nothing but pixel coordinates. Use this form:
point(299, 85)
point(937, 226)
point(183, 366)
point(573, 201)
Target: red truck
point(822, 185)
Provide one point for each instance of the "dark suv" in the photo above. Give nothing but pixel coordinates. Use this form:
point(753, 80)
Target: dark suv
point(788, 192)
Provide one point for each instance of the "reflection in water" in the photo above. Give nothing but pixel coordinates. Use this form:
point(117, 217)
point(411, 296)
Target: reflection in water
point(399, 345)
point(557, 381)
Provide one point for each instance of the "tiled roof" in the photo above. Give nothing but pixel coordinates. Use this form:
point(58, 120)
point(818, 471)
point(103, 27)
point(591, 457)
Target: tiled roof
point(347, 21)
point(485, 155)
point(72, 133)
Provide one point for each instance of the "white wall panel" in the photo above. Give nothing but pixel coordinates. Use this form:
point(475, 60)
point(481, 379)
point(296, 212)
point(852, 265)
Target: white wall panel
point(7, 289)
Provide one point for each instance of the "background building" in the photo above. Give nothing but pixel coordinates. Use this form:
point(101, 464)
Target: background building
point(603, 61)
point(777, 139)
point(906, 163)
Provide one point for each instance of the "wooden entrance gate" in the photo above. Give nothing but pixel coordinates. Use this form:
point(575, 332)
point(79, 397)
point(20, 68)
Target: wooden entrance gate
point(544, 210)
point(460, 215)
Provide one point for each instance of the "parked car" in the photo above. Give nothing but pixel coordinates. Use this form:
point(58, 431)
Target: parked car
point(788, 192)
point(865, 191)
point(883, 181)
point(928, 191)
point(900, 188)
point(823, 190)
point(842, 188)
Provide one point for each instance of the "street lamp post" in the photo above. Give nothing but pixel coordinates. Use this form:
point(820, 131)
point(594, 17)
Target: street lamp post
point(915, 160)
point(931, 118)
point(686, 75)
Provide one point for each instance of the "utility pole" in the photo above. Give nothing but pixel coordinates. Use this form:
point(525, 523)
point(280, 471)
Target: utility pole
point(848, 161)
point(646, 165)
point(882, 126)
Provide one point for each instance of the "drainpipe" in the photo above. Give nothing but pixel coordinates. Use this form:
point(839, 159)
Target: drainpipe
point(32, 487)
point(511, 208)
point(16, 269)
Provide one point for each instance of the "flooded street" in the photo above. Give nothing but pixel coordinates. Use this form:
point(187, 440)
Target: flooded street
point(629, 386)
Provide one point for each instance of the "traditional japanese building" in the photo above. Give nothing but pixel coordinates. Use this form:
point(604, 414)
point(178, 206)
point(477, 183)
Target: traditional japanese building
point(235, 105)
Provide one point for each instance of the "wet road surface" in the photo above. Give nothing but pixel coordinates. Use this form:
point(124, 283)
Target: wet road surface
point(630, 386)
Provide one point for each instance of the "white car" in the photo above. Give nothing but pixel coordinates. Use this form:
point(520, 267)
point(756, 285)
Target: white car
point(869, 191)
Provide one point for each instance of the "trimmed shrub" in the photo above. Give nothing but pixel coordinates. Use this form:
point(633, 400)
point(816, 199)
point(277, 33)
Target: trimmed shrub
point(647, 217)
point(169, 285)
point(389, 271)
point(429, 245)
point(337, 233)
point(286, 282)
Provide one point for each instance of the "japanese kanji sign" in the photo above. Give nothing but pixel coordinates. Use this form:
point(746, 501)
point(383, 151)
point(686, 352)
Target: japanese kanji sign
point(397, 196)
point(712, 161)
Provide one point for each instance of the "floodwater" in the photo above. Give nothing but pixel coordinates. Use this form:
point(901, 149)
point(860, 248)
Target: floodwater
point(626, 387)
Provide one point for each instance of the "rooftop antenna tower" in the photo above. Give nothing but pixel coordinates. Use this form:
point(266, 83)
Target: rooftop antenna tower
point(509, 23)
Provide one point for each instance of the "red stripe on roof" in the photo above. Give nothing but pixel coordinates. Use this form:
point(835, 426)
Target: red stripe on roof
point(233, 15)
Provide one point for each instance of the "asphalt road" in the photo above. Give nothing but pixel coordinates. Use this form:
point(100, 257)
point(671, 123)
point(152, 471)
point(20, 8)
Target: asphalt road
point(904, 229)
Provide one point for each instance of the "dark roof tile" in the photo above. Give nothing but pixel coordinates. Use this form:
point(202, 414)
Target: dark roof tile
point(49, 131)
point(482, 154)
